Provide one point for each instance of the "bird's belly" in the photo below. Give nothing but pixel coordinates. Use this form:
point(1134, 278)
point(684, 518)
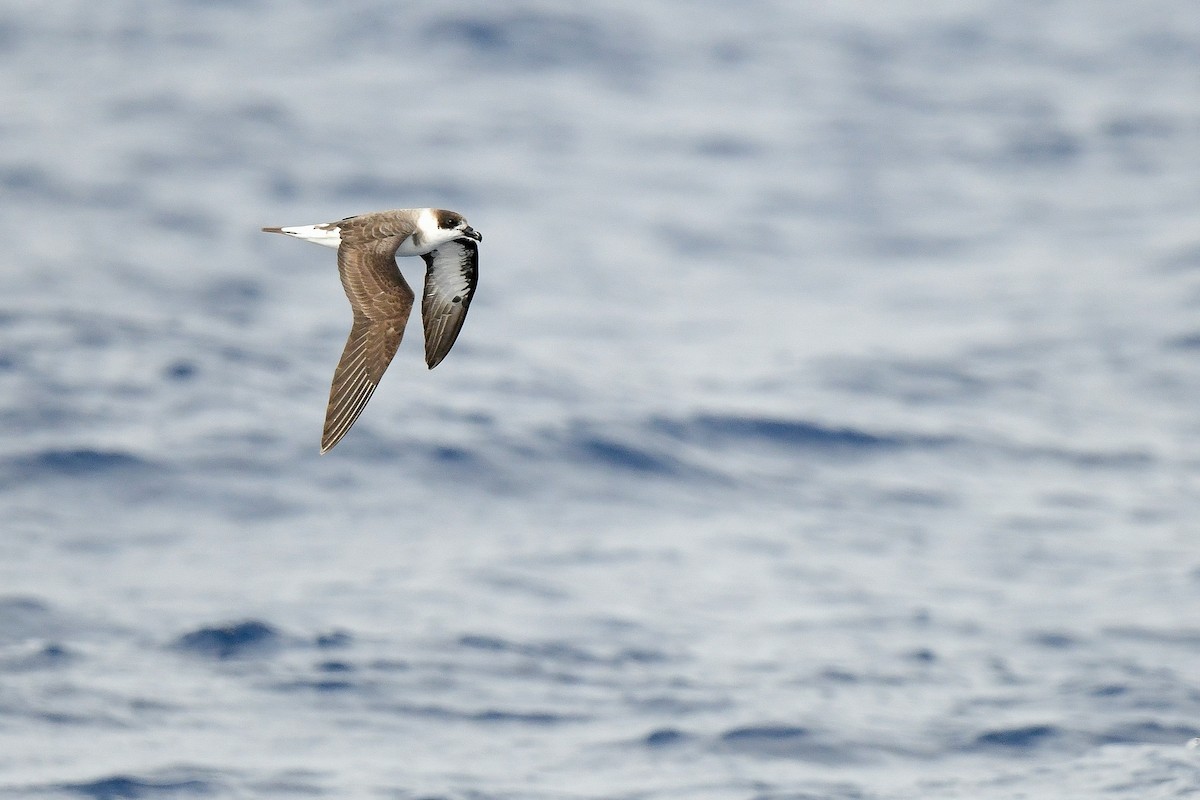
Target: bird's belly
point(409, 248)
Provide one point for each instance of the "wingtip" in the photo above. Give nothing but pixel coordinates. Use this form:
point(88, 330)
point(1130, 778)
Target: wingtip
point(433, 359)
point(437, 349)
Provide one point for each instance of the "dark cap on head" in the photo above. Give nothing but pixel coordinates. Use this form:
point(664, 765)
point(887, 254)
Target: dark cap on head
point(447, 220)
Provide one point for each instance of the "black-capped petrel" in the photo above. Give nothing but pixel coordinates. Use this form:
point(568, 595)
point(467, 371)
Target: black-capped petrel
point(367, 247)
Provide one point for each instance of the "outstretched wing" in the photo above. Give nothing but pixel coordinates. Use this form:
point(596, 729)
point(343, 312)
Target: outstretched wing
point(451, 272)
point(382, 301)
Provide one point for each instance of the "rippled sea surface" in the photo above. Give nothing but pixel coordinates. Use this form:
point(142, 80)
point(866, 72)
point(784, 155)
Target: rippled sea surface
point(826, 424)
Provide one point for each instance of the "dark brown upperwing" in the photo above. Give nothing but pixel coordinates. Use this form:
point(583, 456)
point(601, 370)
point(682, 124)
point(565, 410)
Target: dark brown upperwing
point(382, 302)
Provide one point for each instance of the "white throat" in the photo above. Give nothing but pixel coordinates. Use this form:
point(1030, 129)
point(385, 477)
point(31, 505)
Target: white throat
point(430, 235)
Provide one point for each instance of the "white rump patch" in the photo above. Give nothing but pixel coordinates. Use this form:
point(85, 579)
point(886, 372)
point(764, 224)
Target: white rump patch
point(327, 235)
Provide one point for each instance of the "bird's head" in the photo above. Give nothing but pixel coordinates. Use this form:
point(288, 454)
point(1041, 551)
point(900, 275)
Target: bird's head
point(453, 222)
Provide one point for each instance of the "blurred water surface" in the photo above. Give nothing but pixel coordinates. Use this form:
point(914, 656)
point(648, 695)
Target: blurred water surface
point(824, 425)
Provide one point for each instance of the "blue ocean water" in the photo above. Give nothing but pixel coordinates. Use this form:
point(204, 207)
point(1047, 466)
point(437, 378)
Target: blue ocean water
point(825, 424)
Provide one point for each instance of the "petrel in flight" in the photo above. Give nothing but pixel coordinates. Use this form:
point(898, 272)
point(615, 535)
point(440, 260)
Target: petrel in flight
point(367, 247)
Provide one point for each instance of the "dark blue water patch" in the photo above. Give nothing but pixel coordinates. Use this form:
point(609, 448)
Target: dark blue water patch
point(64, 718)
point(796, 433)
point(51, 655)
point(665, 737)
point(332, 640)
point(239, 640)
point(686, 700)
point(640, 655)
point(482, 642)
point(446, 454)
point(524, 585)
point(561, 652)
point(838, 676)
point(240, 5)
point(146, 107)
point(536, 718)
point(294, 783)
point(765, 733)
point(617, 455)
point(1053, 640)
point(554, 651)
point(270, 115)
point(1149, 732)
point(1187, 341)
point(234, 354)
point(1185, 259)
point(1086, 459)
point(902, 245)
point(10, 37)
point(1138, 140)
point(1024, 737)
point(791, 434)
point(331, 677)
point(1073, 500)
point(822, 791)
point(835, 675)
point(490, 715)
point(128, 787)
point(237, 300)
point(922, 655)
point(457, 463)
point(180, 371)
point(536, 40)
point(915, 498)
point(77, 463)
point(23, 617)
point(727, 147)
point(640, 453)
point(194, 223)
point(731, 52)
point(1044, 146)
point(1188, 638)
point(956, 41)
point(696, 242)
point(319, 685)
point(29, 182)
point(282, 187)
point(1167, 46)
point(784, 741)
point(867, 49)
point(252, 506)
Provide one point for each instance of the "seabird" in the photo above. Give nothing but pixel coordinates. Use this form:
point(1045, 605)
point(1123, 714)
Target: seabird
point(367, 247)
